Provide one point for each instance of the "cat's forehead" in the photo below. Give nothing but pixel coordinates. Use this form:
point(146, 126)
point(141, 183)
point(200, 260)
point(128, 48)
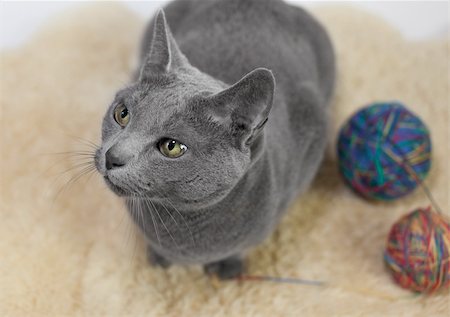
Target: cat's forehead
point(155, 103)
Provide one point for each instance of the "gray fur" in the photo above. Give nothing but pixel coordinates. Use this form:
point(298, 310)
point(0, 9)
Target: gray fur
point(210, 87)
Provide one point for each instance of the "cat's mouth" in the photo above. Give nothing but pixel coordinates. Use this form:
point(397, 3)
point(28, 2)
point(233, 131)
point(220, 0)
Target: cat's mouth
point(119, 191)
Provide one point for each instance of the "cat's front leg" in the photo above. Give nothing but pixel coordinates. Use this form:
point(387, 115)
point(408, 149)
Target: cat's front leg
point(157, 259)
point(227, 268)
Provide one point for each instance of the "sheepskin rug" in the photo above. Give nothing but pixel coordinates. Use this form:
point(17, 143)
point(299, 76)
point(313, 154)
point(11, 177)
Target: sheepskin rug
point(67, 248)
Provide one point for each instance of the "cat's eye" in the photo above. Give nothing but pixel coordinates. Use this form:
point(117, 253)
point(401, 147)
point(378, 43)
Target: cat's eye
point(121, 115)
point(172, 148)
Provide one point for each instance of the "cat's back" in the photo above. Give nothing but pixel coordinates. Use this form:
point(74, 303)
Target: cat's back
point(229, 38)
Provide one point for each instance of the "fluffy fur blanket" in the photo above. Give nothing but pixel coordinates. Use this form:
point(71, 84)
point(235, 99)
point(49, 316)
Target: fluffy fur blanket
point(73, 251)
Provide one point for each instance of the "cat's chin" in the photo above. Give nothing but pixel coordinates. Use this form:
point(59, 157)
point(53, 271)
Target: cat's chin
point(200, 203)
point(115, 189)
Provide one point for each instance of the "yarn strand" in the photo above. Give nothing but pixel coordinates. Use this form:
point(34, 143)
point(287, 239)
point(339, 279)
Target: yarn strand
point(422, 184)
point(287, 280)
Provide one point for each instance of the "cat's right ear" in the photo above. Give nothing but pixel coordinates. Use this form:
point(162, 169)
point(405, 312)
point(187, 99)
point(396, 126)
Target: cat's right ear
point(244, 107)
point(164, 53)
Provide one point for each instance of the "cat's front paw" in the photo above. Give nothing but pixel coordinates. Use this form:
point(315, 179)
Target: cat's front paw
point(226, 269)
point(156, 259)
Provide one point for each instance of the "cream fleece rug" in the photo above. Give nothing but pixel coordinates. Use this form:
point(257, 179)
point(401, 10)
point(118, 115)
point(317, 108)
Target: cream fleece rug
point(77, 255)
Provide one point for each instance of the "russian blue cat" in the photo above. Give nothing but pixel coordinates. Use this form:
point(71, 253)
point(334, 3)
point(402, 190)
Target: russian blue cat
point(224, 125)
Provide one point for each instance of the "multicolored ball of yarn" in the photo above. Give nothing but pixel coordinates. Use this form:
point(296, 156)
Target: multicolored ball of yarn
point(384, 151)
point(417, 251)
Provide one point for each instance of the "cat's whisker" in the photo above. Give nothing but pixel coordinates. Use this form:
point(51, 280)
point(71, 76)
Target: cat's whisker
point(84, 165)
point(168, 211)
point(89, 147)
point(171, 216)
point(71, 153)
point(179, 213)
point(84, 141)
point(130, 207)
point(140, 212)
point(90, 175)
point(86, 170)
point(141, 216)
point(153, 220)
point(81, 165)
point(75, 156)
point(129, 227)
point(65, 160)
point(73, 179)
point(134, 209)
point(162, 221)
point(83, 162)
point(77, 166)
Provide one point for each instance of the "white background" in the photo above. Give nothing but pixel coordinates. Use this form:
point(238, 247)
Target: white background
point(416, 20)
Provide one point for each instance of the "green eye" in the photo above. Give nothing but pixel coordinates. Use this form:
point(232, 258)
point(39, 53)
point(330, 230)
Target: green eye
point(172, 148)
point(121, 115)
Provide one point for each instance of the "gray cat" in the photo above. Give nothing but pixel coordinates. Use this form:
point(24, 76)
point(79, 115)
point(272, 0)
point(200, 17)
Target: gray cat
point(223, 127)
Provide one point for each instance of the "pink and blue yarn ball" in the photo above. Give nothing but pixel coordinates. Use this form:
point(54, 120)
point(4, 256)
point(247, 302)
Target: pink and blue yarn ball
point(384, 151)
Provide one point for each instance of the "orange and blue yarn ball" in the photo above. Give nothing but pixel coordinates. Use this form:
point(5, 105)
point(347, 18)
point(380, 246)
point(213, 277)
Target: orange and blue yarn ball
point(417, 251)
point(384, 151)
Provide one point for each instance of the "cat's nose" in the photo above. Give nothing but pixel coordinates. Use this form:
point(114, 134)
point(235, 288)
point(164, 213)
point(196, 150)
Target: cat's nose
point(115, 159)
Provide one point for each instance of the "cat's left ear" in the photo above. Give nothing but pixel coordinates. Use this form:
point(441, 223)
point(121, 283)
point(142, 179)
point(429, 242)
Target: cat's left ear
point(244, 107)
point(164, 53)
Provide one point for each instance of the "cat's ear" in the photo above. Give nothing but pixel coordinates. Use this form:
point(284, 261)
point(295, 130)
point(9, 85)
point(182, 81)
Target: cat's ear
point(245, 106)
point(164, 53)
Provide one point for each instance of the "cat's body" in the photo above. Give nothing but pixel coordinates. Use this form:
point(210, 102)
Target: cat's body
point(227, 39)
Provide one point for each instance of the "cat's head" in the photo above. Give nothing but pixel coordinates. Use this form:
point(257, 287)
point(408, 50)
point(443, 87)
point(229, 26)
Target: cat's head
point(179, 133)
